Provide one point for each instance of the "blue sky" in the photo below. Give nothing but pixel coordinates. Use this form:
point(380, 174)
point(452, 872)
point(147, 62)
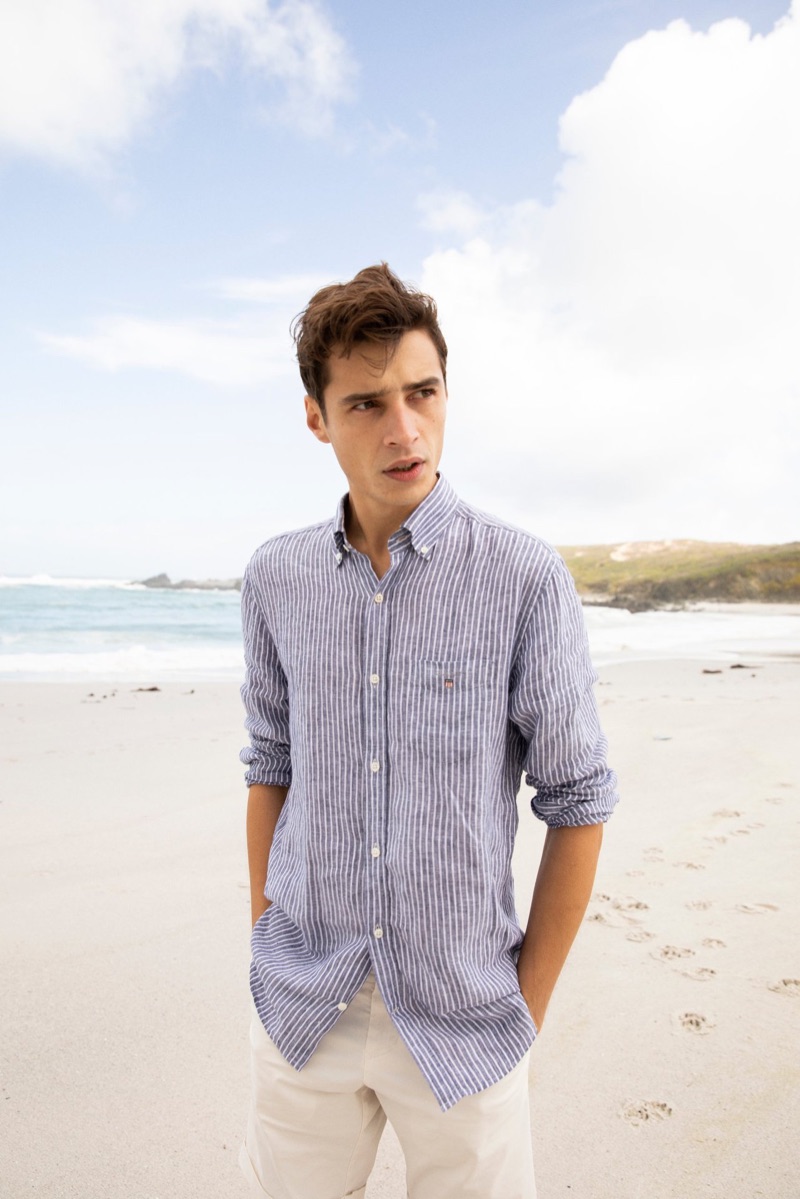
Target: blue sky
point(602, 197)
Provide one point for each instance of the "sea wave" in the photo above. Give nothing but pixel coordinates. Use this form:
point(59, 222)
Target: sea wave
point(134, 662)
point(69, 584)
point(616, 635)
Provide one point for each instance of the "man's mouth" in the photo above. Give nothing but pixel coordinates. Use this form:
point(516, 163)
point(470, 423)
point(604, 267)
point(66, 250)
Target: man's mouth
point(405, 470)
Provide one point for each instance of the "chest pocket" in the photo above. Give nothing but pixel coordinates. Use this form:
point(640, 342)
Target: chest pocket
point(454, 706)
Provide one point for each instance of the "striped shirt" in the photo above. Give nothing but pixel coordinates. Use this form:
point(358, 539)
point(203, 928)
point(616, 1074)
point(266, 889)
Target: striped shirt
point(401, 714)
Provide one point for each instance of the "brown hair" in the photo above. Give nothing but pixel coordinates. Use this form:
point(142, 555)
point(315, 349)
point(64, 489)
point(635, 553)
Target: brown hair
point(376, 307)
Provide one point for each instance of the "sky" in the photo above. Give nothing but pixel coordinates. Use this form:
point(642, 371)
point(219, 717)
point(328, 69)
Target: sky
point(602, 196)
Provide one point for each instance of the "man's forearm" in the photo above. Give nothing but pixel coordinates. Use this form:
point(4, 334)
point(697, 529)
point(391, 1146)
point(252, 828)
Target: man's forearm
point(263, 809)
point(563, 887)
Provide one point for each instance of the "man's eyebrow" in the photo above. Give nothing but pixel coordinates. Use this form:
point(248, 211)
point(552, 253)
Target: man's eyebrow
point(359, 397)
point(431, 381)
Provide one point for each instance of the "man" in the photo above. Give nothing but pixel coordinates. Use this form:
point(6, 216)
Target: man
point(406, 663)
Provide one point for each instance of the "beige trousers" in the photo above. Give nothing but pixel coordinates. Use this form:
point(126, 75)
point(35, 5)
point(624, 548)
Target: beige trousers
point(314, 1133)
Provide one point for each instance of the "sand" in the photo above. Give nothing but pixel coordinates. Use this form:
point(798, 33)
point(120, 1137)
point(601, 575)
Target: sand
point(667, 1067)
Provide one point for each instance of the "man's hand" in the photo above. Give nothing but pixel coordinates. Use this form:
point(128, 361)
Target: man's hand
point(563, 887)
point(263, 809)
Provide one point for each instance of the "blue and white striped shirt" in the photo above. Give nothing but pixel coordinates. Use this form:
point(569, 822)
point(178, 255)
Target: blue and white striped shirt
point(402, 713)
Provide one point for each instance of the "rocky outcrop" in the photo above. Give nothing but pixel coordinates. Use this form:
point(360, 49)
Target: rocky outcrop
point(164, 582)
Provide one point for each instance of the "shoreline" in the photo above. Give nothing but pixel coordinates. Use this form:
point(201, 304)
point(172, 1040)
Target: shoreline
point(715, 631)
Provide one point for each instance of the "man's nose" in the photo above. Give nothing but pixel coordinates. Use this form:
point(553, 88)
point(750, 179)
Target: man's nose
point(401, 426)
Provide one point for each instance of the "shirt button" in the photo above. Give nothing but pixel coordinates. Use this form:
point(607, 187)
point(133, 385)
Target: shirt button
point(375, 767)
point(374, 679)
point(423, 549)
point(376, 851)
point(338, 557)
point(342, 1007)
point(379, 933)
point(379, 598)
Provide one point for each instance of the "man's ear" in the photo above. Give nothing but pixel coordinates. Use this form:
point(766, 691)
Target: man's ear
point(315, 420)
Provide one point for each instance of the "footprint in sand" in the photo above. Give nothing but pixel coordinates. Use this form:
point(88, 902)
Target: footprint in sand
point(715, 838)
point(756, 824)
point(695, 1022)
point(645, 1111)
point(654, 854)
point(774, 799)
point(690, 865)
point(700, 974)
point(634, 873)
point(727, 813)
point(787, 986)
point(597, 918)
point(698, 905)
point(639, 934)
point(670, 953)
point(713, 943)
point(630, 905)
point(756, 909)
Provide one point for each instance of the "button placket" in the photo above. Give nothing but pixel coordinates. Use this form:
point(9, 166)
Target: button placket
point(375, 654)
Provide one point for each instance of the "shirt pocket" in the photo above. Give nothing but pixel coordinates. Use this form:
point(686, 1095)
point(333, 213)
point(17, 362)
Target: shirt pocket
point(454, 703)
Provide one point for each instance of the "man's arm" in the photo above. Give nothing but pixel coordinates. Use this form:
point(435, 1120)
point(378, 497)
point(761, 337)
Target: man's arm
point(263, 809)
point(563, 887)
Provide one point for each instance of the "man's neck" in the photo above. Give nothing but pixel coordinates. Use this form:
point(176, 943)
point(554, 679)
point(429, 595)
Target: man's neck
point(371, 536)
point(368, 529)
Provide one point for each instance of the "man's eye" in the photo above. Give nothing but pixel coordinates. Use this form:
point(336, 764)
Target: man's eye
point(363, 405)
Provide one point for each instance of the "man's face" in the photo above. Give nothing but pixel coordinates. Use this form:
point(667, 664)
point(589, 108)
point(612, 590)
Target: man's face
point(385, 421)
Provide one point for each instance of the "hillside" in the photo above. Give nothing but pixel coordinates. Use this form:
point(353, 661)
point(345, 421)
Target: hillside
point(654, 574)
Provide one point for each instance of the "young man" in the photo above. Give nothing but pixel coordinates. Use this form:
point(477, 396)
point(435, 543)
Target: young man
point(406, 664)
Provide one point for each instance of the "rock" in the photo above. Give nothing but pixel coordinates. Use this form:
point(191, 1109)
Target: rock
point(164, 582)
point(156, 581)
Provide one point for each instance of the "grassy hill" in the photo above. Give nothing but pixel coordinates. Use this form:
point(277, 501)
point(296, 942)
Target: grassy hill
point(655, 574)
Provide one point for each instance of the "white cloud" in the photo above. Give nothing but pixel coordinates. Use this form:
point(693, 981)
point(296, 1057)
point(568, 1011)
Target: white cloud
point(226, 354)
point(79, 77)
point(624, 361)
point(295, 288)
point(244, 350)
point(450, 212)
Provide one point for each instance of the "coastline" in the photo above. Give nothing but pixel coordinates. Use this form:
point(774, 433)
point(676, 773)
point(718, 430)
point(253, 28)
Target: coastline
point(124, 901)
point(136, 653)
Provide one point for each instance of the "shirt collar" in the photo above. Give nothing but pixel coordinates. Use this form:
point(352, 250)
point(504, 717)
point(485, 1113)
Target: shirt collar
point(424, 526)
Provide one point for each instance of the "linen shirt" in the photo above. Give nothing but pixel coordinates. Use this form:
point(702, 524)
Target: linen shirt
point(401, 713)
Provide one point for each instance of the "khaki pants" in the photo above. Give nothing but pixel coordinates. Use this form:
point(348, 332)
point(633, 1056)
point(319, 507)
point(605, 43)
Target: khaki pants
point(313, 1133)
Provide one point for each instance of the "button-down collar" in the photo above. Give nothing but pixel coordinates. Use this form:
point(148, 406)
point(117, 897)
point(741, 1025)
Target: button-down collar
point(424, 526)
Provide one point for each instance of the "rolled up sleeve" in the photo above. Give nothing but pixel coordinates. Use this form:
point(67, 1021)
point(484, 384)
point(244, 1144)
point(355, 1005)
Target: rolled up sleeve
point(265, 697)
point(553, 706)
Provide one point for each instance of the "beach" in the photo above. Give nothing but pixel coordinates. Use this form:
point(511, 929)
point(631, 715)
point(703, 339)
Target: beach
point(666, 1067)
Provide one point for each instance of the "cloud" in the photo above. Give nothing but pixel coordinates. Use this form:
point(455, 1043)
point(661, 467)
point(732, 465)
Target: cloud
point(450, 212)
point(79, 77)
point(297, 288)
point(624, 360)
point(244, 350)
point(228, 354)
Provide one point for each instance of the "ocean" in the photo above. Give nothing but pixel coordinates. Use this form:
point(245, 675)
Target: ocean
point(111, 630)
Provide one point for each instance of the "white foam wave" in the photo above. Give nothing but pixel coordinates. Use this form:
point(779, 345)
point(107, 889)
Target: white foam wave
point(619, 636)
point(135, 662)
point(72, 584)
